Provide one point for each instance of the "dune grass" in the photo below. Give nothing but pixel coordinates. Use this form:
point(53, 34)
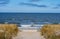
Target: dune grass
point(51, 31)
point(8, 31)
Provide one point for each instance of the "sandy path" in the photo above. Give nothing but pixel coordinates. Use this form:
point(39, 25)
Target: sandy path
point(29, 35)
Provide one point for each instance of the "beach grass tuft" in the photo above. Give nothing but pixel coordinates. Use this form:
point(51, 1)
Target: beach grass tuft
point(51, 31)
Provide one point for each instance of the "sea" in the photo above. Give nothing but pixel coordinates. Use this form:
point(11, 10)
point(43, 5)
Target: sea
point(34, 17)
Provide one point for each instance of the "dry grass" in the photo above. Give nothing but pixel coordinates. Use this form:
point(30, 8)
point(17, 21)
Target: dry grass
point(51, 31)
point(9, 31)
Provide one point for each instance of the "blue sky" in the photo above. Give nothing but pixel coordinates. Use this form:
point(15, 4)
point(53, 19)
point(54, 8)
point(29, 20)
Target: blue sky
point(49, 6)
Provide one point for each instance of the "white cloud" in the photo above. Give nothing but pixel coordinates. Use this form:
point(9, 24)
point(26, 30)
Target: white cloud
point(14, 6)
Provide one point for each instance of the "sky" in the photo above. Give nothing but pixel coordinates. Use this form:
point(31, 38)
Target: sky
point(30, 6)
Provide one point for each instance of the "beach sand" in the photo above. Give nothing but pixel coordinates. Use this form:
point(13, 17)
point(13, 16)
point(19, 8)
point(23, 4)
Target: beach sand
point(28, 35)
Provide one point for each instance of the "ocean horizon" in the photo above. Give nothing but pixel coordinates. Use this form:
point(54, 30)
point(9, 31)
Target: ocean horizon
point(35, 17)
